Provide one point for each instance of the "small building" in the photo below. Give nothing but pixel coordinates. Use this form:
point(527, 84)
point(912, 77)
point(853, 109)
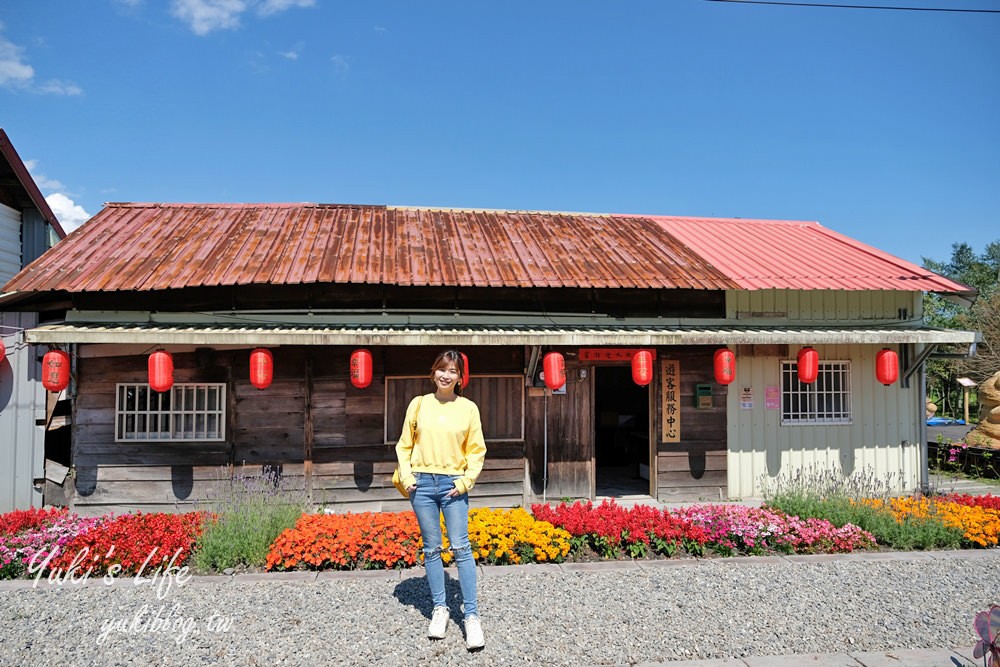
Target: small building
point(27, 229)
point(313, 283)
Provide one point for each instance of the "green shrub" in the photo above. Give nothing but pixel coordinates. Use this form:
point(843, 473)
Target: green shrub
point(250, 512)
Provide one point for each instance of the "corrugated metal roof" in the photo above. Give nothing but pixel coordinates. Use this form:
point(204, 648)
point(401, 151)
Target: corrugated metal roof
point(144, 247)
point(170, 246)
point(788, 254)
point(506, 334)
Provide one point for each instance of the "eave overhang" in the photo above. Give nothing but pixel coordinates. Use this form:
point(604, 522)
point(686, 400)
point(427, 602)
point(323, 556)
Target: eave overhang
point(482, 334)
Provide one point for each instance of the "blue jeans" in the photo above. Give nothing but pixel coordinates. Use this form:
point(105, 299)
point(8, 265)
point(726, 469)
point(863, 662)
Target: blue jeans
point(429, 502)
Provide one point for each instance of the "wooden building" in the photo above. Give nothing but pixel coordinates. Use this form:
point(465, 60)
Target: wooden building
point(27, 229)
point(313, 283)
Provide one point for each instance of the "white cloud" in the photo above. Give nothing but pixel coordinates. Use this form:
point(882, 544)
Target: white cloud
point(205, 16)
point(40, 179)
point(69, 214)
point(56, 87)
point(15, 73)
point(340, 64)
point(290, 55)
point(268, 7)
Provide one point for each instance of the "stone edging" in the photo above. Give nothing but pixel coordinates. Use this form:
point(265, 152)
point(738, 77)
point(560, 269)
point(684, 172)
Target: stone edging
point(492, 571)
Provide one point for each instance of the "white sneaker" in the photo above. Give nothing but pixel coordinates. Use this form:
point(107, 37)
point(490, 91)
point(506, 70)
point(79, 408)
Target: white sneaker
point(439, 623)
point(474, 634)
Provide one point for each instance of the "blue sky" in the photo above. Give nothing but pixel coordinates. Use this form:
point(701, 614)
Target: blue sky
point(882, 125)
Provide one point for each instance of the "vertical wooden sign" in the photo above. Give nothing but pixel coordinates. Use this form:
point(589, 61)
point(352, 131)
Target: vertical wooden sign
point(670, 385)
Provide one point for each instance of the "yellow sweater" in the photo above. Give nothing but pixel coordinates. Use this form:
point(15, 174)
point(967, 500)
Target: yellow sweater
point(449, 441)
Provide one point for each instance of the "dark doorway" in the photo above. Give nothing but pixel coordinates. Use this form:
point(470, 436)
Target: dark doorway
point(621, 418)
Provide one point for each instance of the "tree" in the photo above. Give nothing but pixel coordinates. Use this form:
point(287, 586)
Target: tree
point(982, 272)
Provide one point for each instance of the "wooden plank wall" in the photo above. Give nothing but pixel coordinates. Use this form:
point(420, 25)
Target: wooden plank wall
point(570, 437)
point(119, 477)
point(695, 468)
point(326, 436)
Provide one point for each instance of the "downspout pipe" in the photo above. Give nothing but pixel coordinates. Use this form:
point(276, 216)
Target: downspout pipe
point(922, 415)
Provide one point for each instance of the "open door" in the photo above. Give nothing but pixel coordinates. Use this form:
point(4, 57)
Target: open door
point(621, 433)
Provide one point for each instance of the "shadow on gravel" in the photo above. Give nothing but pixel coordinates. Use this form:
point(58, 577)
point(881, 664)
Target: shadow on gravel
point(413, 592)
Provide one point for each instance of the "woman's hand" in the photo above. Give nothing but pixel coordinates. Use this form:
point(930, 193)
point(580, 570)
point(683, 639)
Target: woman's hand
point(453, 493)
point(411, 489)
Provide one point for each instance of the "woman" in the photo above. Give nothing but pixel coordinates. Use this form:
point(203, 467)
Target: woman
point(440, 455)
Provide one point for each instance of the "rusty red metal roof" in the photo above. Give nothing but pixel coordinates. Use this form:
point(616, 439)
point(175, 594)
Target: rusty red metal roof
point(799, 255)
point(145, 247)
point(170, 246)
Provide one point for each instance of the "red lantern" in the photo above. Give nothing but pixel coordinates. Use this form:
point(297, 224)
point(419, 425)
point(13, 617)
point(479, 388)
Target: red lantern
point(55, 370)
point(808, 364)
point(887, 366)
point(261, 368)
point(361, 368)
point(3, 352)
point(465, 373)
point(724, 361)
point(161, 371)
point(554, 367)
point(642, 367)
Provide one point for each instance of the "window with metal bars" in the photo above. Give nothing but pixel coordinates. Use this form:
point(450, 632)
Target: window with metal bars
point(825, 401)
point(188, 412)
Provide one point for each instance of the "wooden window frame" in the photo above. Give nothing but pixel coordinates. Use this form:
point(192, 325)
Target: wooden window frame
point(177, 408)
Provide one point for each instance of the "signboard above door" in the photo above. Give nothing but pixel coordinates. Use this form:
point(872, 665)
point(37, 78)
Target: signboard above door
point(610, 353)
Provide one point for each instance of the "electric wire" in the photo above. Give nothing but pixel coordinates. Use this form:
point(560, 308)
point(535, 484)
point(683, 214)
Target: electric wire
point(842, 6)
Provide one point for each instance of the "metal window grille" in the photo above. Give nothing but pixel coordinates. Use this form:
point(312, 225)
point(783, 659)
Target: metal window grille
point(188, 412)
point(825, 401)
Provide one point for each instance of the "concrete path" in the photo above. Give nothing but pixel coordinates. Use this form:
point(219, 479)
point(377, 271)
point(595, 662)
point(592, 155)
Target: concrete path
point(920, 657)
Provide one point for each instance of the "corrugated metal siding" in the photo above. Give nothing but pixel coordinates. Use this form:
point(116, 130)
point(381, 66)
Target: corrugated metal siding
point(883, 417)
point(827, 307)
point(22, 401)
point(765, 254)
point(35, 236)
point(10, 243)
point(155, 247)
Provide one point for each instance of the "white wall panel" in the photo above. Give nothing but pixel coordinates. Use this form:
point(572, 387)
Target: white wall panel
point(761, 448)
point(10, 243)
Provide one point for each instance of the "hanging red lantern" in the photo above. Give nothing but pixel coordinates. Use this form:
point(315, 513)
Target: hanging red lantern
point(724, 361)
point(361, 368)
point(261, 368)
point(465, 373)
point(554, 367)
point(887, 366)
point(161, 371)
point(642, 367)
point(808, 364)
point(55, 370)
point(3, 352)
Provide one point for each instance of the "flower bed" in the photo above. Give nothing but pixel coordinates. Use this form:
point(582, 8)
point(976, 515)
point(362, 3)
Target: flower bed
point(736, 529)
point(36, 541)
point(611, 530)
point(966, 458)
point(980, 525)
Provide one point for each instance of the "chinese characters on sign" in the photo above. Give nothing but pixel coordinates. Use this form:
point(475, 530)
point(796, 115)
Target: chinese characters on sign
point(609, 353)
point(671, 390)
point(772, 397)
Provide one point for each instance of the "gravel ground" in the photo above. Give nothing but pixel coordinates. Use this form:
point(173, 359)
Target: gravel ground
point(580, 614)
